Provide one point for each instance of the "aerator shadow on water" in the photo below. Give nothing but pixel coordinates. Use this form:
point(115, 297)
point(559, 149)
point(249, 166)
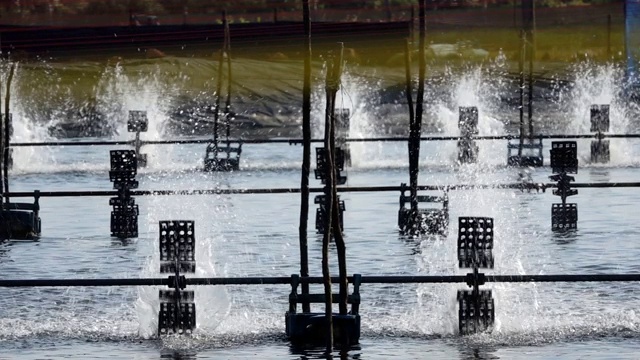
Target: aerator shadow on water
point(432, 220)
point(310, 328)
point(177, 256)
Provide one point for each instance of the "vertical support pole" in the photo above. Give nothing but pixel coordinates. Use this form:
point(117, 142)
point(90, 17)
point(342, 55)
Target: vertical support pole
point(335, 217)
point(409, 91)
point(608, 36)
point(227, 108)
point(185, 15)
point(216, 114)
point(412, 25)
point(3, 129)
point(306, 153)
point(387, 7)
point(528, 23)
point(627, 55)
point(414, 152)
point(521, 89)
point(5, 133)
point(137, 143)
point(328, 192)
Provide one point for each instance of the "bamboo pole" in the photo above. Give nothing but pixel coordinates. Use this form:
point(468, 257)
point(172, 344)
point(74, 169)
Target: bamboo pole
point(227, 108)
point(531, 55)
point(3, 145)
point(409, 91)
point(608, 37)
point(328, 197)
point(528, 21)
point(521, 88)
point(306, 153)
point(5, 132)
point(216, 113)
point(335, 217)
point(414, 133)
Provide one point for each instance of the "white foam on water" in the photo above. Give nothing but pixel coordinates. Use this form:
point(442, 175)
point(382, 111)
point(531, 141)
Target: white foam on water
point(212, 303)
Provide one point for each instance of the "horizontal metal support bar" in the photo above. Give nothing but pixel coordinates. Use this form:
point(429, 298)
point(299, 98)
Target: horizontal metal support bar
point(146, 142)
point(299, 141)
point(318, 280)
point(517, 186)
point(482, 137)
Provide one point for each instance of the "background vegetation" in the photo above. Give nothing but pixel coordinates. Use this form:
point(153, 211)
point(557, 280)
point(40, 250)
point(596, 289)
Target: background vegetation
point(172, 7)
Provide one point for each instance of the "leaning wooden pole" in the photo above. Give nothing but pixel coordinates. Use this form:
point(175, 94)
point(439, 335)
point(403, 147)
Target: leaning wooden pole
point(306, 154)
point(409, 91)
point(341, 247)
point(328, 196)
point(414, 153)
point(5, 132)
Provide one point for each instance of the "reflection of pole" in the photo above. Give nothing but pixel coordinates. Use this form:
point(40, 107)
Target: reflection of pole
point(306, 154)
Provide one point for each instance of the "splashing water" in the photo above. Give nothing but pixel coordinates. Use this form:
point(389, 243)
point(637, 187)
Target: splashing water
point(212, 303)
point(599, 85)
point(25, 129)
point(357, 95)
point(473, 87)
point(118, 92)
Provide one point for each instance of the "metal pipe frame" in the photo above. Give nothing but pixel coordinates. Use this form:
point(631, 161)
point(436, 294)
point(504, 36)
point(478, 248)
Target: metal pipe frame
point(294, 141)
point(515, 186)
point(286, 280)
